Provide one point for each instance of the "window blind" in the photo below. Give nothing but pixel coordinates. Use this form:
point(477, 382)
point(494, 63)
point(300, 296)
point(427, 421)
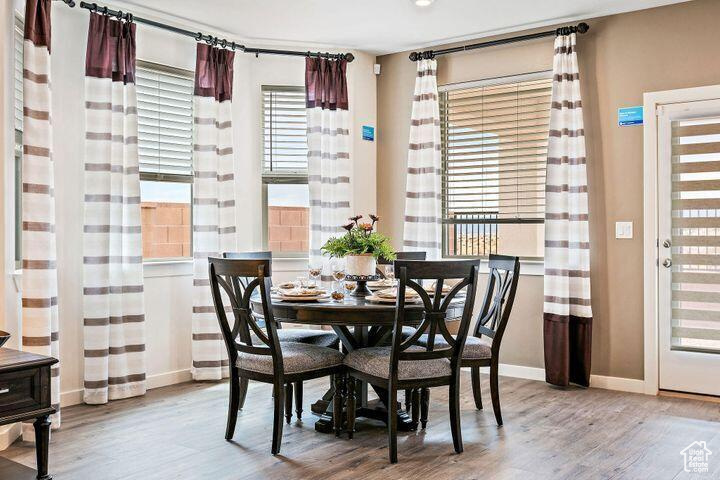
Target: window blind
point(165, 121)
point(695, 226)
point(494, 151)
point(18, 75)
point(284, 131)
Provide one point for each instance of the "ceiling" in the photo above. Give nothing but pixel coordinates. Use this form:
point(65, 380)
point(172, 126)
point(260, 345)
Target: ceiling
point(376, 26)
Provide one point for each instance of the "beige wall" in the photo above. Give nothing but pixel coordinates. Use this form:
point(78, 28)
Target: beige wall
point(621, 57)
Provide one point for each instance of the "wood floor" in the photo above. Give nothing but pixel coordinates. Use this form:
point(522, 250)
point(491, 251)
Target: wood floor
point(549, 433)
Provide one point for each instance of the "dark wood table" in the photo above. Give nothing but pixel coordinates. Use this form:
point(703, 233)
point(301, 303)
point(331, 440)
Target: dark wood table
point(358, 323)
point(25, 395)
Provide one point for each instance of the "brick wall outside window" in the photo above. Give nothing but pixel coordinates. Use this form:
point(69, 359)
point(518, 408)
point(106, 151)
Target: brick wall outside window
point(288, 229)
point(166, 230)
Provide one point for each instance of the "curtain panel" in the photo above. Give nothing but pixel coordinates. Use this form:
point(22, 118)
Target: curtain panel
point(329, 165)
point(568, 313)
point(114, 323)
point(39, 254)
point(423, 203)
point(214, 229)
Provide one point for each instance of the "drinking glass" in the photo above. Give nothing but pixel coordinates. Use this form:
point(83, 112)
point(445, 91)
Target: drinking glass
point(338, 270)
point(314, 271)
point(390, 272)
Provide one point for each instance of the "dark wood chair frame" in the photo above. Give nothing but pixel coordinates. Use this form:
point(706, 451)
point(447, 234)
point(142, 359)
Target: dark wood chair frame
point(379, 271)
point(229, 274)
point(434, 324)
point(492, 321)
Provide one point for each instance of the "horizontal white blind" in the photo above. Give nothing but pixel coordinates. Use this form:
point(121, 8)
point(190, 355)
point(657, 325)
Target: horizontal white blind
point(284, 130)
point(494, 151)
point(696, 235)
point(18, 75)
point(165, 120)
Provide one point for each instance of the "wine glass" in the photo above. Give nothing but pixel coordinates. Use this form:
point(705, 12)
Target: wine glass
point(314, 271)
point(338, 270)
point(390, 272)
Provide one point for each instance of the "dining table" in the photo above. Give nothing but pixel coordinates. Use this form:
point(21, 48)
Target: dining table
point(358, 323)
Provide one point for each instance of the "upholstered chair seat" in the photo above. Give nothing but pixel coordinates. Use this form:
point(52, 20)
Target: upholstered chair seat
point(297, 358)
point(475, 348)
point(321, 338)
point(375, 361)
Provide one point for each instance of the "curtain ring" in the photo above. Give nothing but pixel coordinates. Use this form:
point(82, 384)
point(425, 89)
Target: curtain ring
point(105, 10)
point(129, 17)
point(119, 15)
point(223, 43)
point(232, 45)
point(198, 37)
point(94, 8)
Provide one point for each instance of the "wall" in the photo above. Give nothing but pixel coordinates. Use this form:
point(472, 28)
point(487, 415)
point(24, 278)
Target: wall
point(168, 286)
point(621, 57)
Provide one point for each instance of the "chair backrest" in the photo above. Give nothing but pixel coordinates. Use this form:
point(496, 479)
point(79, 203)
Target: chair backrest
point(238, 279)
point(400, 256)
point(410, 275)
point(248, 255)
point(499, 297)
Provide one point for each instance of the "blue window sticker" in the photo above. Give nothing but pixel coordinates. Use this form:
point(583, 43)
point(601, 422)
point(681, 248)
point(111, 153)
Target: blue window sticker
point(368, 133)
point(630, 116)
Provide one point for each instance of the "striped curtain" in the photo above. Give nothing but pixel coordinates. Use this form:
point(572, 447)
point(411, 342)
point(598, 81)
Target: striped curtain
point(329, 166)
point(39, 280)
point(568, 314)
point(213, 201)
point(114, 324)
point(423, 205)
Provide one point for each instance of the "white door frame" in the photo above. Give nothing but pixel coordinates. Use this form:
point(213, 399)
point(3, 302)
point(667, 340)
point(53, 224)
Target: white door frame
point(653, 100)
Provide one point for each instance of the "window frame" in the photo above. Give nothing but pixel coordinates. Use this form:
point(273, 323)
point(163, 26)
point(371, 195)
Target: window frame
point(18, 25)
point(442, 92)
point(167, 177)
point(283, 178)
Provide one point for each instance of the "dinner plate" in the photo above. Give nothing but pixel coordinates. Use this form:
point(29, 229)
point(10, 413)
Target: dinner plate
point(381, 284)
point(302, 298)
point(376, 299)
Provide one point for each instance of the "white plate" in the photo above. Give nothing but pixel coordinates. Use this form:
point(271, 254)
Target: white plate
point(376, 299)
point(381, 284)
point(302, 298)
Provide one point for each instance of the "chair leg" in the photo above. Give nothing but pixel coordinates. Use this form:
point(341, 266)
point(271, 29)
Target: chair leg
point(392, 424)
point(288, 402)
point(415, 405)
point(279, 402)
point(234, 405)
point(298, 399)
point(408, 399)
point(495, 393)
point(477, 394)
point(243, 391)
point(350, 406)
point(424, 406)
point(454, 401)
point(338, 404)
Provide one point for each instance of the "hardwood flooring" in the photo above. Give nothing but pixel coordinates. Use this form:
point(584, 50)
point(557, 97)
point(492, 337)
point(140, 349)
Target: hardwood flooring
point(177, 433)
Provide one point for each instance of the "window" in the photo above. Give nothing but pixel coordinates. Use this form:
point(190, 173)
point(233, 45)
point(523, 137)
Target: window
point(18, 112)
point(495, 136)
point(286, 198)
point(165, 126)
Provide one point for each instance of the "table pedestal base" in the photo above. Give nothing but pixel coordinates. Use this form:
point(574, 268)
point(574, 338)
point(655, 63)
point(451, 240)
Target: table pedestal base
point(374, 410)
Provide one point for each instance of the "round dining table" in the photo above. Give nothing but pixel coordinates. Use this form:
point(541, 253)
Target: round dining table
point(358, 323)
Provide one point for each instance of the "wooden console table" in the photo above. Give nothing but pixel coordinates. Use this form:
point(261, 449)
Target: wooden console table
point(25, 395)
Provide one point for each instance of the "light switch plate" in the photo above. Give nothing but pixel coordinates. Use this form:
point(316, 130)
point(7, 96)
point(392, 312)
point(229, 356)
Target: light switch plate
point(623, 230)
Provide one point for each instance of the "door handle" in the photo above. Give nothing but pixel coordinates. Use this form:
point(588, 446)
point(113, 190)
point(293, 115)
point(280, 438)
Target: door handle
point(667, 263)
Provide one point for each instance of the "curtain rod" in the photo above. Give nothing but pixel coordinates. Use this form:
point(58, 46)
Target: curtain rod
point(428, 54)
point(200, 37)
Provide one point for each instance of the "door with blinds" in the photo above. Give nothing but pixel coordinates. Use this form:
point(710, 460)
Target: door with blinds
point(689, 246)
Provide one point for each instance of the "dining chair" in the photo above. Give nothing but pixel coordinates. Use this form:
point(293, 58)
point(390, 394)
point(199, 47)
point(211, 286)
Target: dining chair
point(491, 323)
point(406, 364)
point(257, 354)
point(322, 338)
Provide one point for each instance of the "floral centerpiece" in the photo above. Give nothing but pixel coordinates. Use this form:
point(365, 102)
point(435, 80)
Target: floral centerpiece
point(361, 246)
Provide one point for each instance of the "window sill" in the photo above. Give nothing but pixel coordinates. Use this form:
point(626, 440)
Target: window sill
point(179, 267)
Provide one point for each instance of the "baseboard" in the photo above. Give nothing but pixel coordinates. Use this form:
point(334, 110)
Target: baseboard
point(8, 434)
point(620, 384)
point(75, 397)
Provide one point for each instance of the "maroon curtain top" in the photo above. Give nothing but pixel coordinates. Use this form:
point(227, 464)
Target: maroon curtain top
point(214, 72)
point(110, 49)
point(37, 22)
point(326, 83)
